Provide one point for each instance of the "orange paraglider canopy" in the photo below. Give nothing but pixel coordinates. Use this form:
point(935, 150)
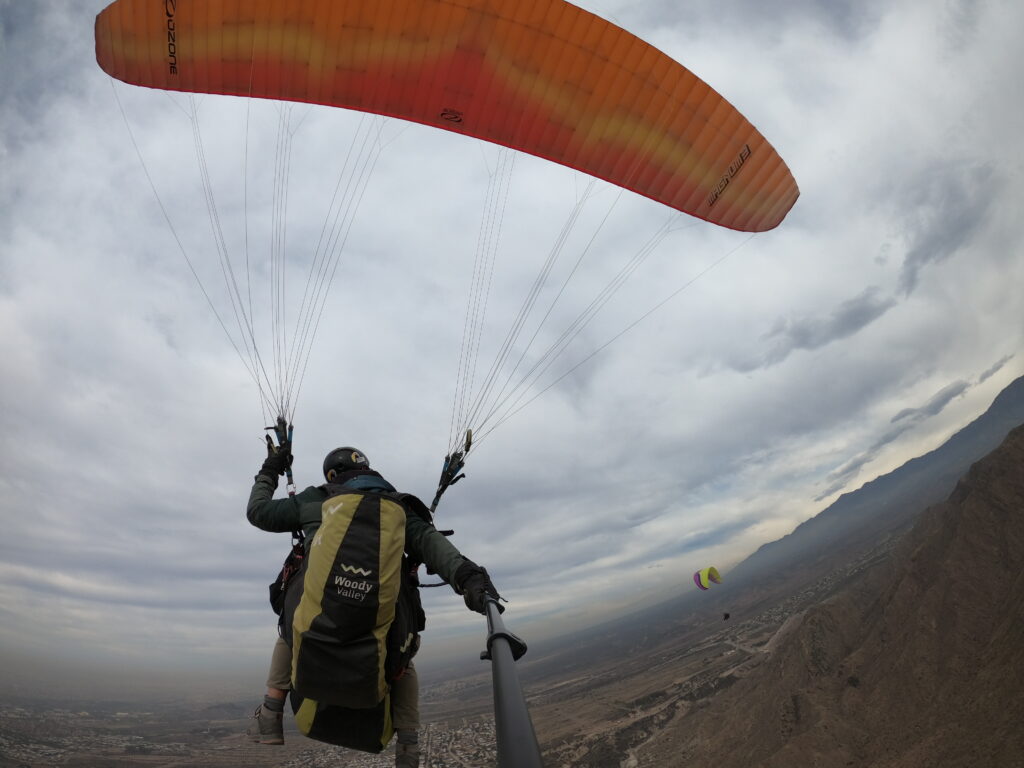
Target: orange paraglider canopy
point(543, 77)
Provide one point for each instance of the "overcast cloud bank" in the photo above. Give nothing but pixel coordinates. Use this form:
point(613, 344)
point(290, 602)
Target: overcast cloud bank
point(882, 316)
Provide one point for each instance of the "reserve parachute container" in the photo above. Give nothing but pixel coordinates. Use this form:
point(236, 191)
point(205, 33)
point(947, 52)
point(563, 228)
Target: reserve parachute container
point(339, 617)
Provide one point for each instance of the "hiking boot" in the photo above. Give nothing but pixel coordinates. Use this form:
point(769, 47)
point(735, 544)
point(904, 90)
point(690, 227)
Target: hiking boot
point(269, 726)
point(407, 756)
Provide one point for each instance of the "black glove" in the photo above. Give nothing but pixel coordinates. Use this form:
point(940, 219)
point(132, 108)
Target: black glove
point(278, 460)
point(473, 583)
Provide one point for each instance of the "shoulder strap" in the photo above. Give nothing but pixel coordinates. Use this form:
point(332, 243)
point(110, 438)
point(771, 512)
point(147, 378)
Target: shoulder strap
point(415, 505)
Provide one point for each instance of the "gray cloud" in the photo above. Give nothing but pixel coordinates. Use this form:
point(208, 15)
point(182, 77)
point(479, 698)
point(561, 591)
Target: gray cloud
point(38, 72)
point(945, 208)
point(996, 367)
point(959, 22)
point(845, 19)
point(940, 400)
point(813, 332)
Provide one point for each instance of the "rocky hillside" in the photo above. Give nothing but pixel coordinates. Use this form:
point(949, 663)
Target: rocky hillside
point(918, 662)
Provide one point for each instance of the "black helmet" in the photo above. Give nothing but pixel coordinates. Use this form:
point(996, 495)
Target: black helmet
point(345, 459)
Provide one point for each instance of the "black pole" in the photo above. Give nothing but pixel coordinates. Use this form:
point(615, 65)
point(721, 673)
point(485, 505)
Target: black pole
point(517, 742)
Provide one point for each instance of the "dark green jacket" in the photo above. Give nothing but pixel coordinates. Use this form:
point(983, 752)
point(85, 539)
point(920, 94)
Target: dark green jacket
point(422, 540)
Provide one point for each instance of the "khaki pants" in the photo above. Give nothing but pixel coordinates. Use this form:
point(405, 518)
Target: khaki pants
point(280, 674)
point(405, 692)
point(405, 701)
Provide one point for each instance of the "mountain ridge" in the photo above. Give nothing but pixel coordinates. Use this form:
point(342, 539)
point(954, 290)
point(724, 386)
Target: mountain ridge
point(919, 661)
point(902, 493)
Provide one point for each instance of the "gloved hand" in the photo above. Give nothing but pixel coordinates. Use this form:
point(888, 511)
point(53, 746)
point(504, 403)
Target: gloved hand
point(475, 586)
point(279, 458)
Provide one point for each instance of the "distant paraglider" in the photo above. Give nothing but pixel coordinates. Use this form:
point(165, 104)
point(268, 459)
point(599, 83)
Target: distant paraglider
point(705, 576)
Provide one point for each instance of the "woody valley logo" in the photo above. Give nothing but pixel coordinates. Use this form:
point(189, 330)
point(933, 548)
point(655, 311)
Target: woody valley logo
point(354, 588)
point(353, 569)
point(357, 589)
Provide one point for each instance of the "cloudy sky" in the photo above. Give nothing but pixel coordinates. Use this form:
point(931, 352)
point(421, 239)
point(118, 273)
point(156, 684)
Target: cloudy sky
point(774, 372)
